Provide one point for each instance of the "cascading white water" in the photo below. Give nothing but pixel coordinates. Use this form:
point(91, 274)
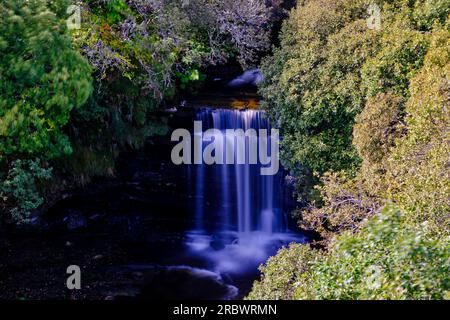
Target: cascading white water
point(254, 193)
point(236, 207)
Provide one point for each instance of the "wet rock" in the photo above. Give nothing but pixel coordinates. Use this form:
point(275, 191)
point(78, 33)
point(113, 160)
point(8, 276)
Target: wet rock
point(180, 283)
point(249, 77)
point(75, 220)
point(172, 110)
point(35, 221)
point(97, 217)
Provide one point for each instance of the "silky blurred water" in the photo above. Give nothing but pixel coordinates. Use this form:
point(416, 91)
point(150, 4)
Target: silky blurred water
point(249, 222)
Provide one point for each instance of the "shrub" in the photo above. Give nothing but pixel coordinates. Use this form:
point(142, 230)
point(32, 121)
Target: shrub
point(386, 95)
point(344, 95)
point(387, 259)
point(42, 79)
point(376, 128)
point(19, 188)
point(312, 84)
point(281, 274)
point(345, 203)
point(418, 167)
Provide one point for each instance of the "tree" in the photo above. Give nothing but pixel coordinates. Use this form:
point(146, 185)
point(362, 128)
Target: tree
point(42, 79)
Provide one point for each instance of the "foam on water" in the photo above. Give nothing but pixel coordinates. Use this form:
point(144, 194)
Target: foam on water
point(243, 253)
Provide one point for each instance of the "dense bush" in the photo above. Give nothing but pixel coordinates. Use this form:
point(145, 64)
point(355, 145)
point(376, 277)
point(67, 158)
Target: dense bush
point(312, 83)
point(417, 170)
point(345, 203)
point(376, 128)
point(42, 80)
point(19, 188)
point(396, 101)
point(328, 66)
point(401, 136)
point(341, 94)
point(387, 259)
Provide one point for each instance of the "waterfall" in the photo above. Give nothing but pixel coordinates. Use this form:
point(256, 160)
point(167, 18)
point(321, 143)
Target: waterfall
point(238, 211)
point(254, 202)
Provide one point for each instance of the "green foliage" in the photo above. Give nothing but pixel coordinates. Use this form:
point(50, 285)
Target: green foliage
point(384, 94)
point(387, 259)
point(417, 170)
point(402, 54)
point(143, 53)
point(376, 127)
point(342, 96)
point(140, 53)
point(329, 67)
point(312, 86)
point(429, 12)
point(190, 79)
point(41, 79)
point(116, 8)
point(345, 203)
point(281, 273)
point(132, 67)
point(19, 189)
point(108, 123)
